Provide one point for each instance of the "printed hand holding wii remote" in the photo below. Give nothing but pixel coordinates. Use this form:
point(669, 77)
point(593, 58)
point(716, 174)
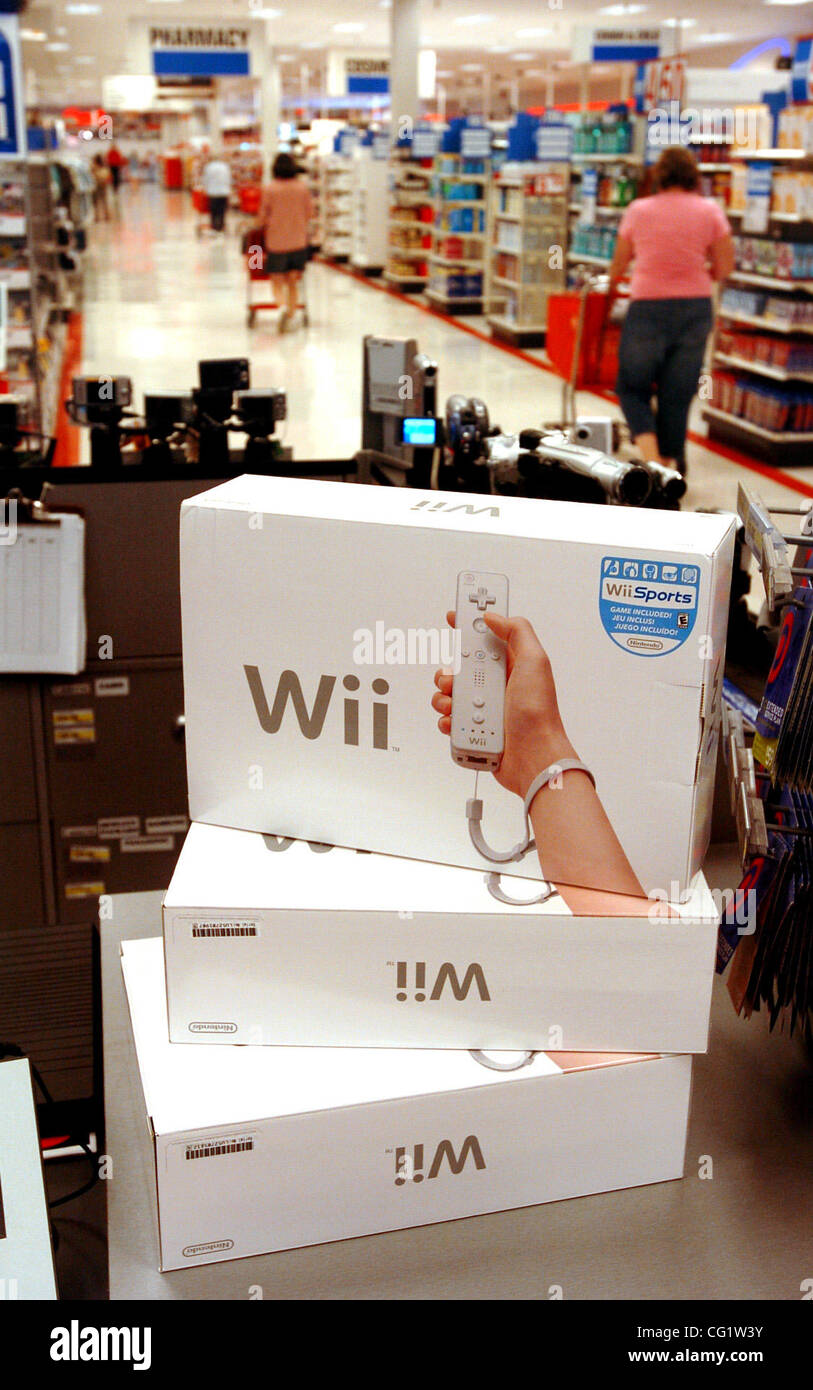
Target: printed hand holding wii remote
point(575, 841)
point(478, 699)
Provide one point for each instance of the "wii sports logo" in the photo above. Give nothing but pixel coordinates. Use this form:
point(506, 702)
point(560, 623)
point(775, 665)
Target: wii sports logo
point(648, 607)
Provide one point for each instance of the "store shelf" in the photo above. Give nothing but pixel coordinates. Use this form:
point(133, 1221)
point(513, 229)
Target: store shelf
point(465, 178)
point(774, 436)
point(599, 211)
point(712, 167)
point(775, 325)
point(393, 278)
point(604, 158)
point(454, 298)
point(452, 260)
point(773, 156)
point(580, 258)
point(459, 202)
point(447, 232)
point(412, 253)
point(508, 217)
point(16, 279)
point(19, 337)
point(794, 217)
point(509, 284)
point(762, 368)
point(771, 282)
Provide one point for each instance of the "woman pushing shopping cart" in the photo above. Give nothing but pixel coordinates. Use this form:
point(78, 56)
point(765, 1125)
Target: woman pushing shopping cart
point(284, 214)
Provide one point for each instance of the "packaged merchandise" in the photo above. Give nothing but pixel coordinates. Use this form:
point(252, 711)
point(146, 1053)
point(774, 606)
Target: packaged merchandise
point(261, 1149)
point(273, 941)
point(314, 619)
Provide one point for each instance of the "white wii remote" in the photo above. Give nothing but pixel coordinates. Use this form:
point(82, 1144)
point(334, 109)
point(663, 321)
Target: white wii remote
point(478, 691)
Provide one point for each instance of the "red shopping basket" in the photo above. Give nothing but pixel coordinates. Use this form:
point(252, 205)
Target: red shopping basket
point(200, 201)
point(249, 197)
point(598, 352)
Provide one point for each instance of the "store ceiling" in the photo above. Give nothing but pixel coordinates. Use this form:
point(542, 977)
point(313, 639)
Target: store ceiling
point(502, 37)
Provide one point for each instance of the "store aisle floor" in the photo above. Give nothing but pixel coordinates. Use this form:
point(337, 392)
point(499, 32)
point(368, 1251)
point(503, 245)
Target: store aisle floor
point(158, 297)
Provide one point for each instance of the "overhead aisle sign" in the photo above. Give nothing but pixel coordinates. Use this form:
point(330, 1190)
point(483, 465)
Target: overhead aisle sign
point(616, 45)
point(200, 50)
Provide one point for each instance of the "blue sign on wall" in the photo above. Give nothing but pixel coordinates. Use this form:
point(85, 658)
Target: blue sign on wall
point(199, 63)
point(9, 126)
point(801, 78)
point(367, 84)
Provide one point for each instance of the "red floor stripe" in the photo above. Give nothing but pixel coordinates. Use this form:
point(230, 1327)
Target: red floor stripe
point(714, 447)
point(66, 453)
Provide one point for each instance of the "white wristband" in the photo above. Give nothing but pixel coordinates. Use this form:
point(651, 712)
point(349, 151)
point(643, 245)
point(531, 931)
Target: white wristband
point(550, 773)
point(474, 814)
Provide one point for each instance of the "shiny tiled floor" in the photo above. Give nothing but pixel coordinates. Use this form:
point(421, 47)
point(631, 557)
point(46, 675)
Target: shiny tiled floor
point(158, 297)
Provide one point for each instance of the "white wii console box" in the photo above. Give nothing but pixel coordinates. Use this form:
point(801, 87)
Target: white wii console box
point(315, 616)
point(262, 1149)
point(273, 941)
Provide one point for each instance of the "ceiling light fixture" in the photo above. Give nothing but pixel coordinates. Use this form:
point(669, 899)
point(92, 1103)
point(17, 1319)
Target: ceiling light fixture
point(471, 67)
point(475, 19)
point(786, 2)
point(533, 33)
point(33, 35)
point(57, 47)
point(83, 9)
point(261, 11)
point(687, 23)
point(351, 27)
point(523, 57)
point(623, 9)
point(715, 38)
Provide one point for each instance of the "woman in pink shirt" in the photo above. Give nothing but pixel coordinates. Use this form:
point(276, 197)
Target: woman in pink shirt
point(679, 244)
point(285, 211)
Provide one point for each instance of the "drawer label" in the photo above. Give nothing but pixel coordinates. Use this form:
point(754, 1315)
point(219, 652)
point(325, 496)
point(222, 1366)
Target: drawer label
point(166, 825)
point(89, 854)
point(138, 844)
point(111, 685)
point(113, 827)
point(85, 890)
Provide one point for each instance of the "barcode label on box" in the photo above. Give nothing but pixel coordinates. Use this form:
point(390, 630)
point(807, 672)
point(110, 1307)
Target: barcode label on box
point(224, 928)
point(215, 1148)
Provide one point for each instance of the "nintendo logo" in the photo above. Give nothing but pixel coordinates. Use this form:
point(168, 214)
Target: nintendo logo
point(211, 1247)
point(646, 644)
point(212, 1027)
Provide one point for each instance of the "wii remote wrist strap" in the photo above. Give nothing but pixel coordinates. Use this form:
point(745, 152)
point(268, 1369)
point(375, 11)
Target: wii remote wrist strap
point(474, 813)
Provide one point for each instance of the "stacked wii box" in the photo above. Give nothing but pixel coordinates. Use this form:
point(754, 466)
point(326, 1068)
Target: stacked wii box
point(332, 914)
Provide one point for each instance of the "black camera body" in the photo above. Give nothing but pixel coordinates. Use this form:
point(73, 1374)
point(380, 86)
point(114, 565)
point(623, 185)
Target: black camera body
point(101, 400)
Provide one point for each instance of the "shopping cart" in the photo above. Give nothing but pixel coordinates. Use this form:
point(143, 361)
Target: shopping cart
point(256, 275)
point(200, 202)
point(582, 341)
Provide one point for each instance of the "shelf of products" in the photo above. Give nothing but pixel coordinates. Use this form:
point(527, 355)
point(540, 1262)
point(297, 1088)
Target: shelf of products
point(411, 215)
point(459, 189)
point(337, 203)
point(313, 174)
point(762, 357)
point(34, 330)
point(608, 159)
point(369, 211)
point(529, 216)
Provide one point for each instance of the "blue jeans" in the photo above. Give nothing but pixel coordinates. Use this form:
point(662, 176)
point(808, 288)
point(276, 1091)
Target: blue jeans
point(661, 350)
